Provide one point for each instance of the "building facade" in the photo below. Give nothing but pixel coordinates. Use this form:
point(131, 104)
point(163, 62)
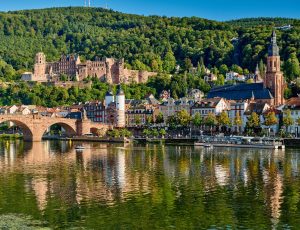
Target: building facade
point(141, 112)
point(95, 111)
point(172, 106)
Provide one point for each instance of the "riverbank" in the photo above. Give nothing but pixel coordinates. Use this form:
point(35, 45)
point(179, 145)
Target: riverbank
point(288, 142)
point(292, 142)
point(89, 139)
point(10, 136)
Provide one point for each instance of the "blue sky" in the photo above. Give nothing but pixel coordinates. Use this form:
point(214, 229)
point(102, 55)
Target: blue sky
point(210, 9)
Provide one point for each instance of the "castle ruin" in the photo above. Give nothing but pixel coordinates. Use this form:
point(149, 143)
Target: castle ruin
point(108, 70)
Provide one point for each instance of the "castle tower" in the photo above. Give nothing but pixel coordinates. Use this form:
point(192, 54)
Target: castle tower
point(40, 67)
point(108, 67)
point(121, 75)
point(274, 77)
point(109, 98)
point(120, 108)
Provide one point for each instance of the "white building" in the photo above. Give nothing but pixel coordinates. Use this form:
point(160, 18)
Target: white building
point(213, 105)
point(293, 104)
point(210, 78)
point(233, 76)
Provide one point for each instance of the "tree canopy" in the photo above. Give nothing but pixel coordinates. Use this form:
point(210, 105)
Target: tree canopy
point(154, 43)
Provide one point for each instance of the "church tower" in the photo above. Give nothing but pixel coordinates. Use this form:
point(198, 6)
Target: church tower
point(274, 80)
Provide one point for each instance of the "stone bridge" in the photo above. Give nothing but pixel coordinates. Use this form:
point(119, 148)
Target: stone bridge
point(34, 126)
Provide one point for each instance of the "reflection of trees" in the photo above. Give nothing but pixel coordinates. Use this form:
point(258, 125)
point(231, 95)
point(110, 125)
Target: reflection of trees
point(149, 186)
point(291, 193)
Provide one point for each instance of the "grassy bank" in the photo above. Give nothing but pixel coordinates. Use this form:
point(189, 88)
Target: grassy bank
point(11, 136)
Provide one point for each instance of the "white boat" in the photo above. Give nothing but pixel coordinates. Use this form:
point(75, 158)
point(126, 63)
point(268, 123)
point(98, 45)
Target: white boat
point(79, 147)
point(207, 145)
point(242, 142)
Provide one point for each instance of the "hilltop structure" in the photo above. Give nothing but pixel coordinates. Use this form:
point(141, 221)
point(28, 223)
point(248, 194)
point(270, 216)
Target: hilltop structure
point(270, 91)
point(108, 70)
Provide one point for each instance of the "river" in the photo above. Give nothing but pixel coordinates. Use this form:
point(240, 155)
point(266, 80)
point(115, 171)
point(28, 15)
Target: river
point(114, 186)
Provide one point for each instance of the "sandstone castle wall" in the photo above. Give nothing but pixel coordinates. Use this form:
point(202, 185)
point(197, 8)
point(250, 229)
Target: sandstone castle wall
point(108, 70)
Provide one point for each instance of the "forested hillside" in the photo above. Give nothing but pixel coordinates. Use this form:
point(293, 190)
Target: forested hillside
point(150, 43)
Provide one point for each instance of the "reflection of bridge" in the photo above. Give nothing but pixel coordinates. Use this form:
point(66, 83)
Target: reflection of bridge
point(34, 126)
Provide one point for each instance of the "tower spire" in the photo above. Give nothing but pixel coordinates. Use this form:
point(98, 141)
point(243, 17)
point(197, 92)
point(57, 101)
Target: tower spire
point(273, 48)
point(257, 69)
point(274, 37)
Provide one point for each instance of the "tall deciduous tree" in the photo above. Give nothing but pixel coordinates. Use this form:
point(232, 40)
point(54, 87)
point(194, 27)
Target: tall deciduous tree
point(270, 119)
point(197, 119)
point(223, 119)
point(184, 118)
point(292, 68)
point(238, 121)
point(211, 120)
point(159, 118)
point(287, 119)
point(169, 62)
point(253, 122)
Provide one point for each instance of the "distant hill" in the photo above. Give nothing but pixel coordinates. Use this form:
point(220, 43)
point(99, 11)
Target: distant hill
point(146, 42)
point(253, 22)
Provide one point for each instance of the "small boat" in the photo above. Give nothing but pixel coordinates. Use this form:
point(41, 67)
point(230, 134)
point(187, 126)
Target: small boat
point(207, 145)
point(79, 147)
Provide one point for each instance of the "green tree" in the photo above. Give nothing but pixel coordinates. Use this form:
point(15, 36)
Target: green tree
point(137, 120)
point(184, 118)
point(287, 119)
point(125, 133)
point(197, 120)
point(223, 119)
point(162, 132)
point(292, 68)
point(253, 123)
point(220, 80)
point(187, 64)
point(169, 62)
point(172, 122)
point(149, 120)
point(63, 77)
point(147, 132)
point(223, 69)
point(262, 69)
point(211, 120)
point(237, 69)
point(238, 122)
point(154, 133)
point(270, 119)
point(159, 118)
point(113, 133)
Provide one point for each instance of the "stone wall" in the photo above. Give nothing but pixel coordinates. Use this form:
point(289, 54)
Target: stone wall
point(108, 70)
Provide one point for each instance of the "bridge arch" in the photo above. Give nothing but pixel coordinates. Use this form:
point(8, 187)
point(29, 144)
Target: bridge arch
point(27, 131)
point(69, 127)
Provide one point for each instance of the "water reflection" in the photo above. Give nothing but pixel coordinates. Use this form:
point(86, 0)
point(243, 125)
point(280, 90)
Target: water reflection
point(216, 188)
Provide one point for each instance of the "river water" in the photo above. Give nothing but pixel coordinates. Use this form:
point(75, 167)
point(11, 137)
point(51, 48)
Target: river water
point(114, 186)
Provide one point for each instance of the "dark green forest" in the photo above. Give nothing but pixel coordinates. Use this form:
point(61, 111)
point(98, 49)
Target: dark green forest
point(150, 43)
